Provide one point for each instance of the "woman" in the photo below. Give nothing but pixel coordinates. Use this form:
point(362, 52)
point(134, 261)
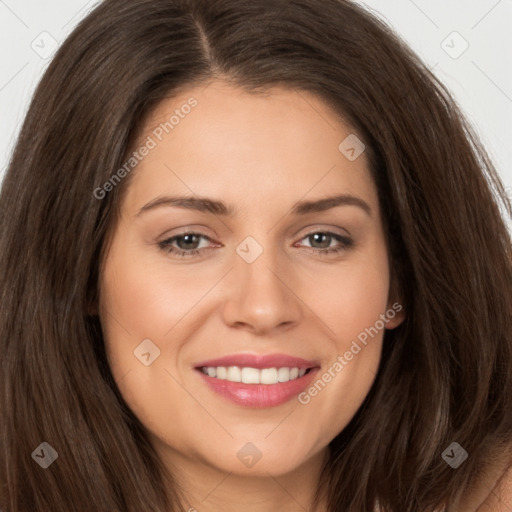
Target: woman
point(173, 337)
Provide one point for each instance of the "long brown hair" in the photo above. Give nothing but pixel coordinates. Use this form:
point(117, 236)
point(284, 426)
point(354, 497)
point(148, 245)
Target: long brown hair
point(446, 372)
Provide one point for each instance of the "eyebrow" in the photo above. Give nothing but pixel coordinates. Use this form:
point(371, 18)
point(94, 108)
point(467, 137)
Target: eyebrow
point(204, 204)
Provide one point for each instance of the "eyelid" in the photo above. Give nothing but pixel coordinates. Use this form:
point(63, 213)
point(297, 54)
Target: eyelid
point(316, 228)
point(197, 229)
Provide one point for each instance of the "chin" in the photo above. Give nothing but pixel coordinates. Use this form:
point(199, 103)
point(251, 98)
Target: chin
point(258, 459)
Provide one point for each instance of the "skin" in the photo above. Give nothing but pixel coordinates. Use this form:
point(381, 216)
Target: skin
point(261, 154)
point(493, 492)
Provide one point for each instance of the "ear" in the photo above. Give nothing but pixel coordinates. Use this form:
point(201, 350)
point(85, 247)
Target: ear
point(395, 311)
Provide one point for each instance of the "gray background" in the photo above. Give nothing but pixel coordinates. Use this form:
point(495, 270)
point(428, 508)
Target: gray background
point(480, 75)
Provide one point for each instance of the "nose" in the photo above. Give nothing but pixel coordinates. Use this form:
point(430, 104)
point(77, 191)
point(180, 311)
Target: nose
point(260, 296)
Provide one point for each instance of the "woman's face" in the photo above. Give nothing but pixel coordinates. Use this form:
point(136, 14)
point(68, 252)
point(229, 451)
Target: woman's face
point(250, 246)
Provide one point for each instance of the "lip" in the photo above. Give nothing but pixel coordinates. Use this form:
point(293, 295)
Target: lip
point(260, 361)
point(259, 395)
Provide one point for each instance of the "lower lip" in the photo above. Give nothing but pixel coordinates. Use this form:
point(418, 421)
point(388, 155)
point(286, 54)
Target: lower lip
point(259, 395)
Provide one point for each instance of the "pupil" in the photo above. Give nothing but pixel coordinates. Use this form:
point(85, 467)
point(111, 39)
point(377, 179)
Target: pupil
point(318, 236)
point(187, 239)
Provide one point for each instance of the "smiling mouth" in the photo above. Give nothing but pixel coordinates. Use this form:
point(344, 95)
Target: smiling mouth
point(248, 375)
point(257, 380)
point(257, 387)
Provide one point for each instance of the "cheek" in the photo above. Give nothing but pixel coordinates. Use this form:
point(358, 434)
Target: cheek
point(141, 299)
point(133, 300)
point(350, 298)
point(351, 305)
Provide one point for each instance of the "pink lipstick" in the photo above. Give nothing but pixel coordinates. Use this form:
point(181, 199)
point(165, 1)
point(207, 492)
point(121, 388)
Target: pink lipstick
point(258, 380)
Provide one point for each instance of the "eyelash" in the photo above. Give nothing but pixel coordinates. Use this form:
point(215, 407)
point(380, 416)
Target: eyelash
point(165, 245)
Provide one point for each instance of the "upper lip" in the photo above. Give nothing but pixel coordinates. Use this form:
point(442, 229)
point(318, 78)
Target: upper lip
point(260, 361)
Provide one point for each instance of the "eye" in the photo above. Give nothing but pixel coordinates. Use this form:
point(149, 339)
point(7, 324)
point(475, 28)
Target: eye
point(188, 244)
point(322, 242)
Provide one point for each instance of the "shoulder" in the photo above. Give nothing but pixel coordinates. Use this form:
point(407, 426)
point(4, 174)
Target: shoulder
point(494, 491)
point(500, 497)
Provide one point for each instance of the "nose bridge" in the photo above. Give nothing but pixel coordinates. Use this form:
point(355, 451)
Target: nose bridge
point(258, 296)
point(257, 267)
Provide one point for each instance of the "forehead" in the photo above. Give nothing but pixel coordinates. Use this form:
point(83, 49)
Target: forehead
point(219, 140)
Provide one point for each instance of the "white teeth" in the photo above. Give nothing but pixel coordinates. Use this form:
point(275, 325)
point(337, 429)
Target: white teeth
point(222, 372)
point(283, 374)
point(234, 374)
point(249, 375)
point(268, 375)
